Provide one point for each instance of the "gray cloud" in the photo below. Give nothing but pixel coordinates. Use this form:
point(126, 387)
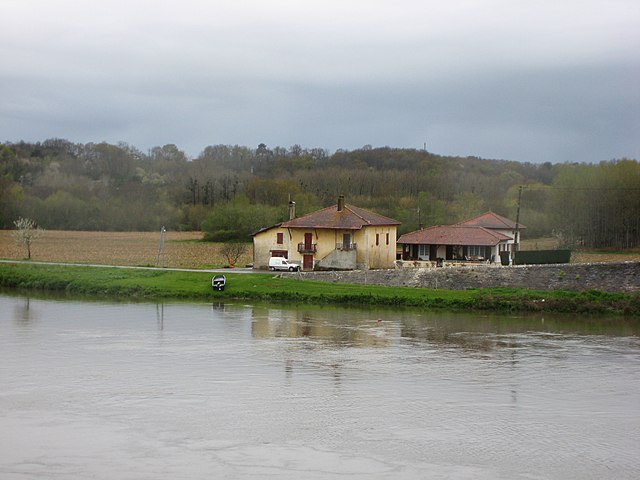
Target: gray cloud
point(544, 81)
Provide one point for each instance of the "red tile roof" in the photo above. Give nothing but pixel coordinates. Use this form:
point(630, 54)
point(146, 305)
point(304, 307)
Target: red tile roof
point(453, 235)
point(350, 218)
point(266, 229)
point(491, 220)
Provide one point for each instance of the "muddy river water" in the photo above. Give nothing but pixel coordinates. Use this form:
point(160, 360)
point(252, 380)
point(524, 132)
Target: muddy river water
point(113, 390)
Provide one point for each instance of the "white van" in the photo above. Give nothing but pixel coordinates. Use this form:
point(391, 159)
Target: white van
point(279, 263)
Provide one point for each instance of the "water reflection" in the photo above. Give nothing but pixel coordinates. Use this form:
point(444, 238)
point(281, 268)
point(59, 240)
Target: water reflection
point(381, 328)
point(23, 313)
point(160, 315)
point(188, 390)
point(327, 326)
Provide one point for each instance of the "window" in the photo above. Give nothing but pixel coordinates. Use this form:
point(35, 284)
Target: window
point(387, 239)
point(423, 252)
point(308, 241)
point(377, 239)
point(346, 241)
point(475, 251)
point(280, 238)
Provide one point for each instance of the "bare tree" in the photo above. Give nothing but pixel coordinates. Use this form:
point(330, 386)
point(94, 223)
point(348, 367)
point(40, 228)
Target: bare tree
point(233, 251)
point(26, 233)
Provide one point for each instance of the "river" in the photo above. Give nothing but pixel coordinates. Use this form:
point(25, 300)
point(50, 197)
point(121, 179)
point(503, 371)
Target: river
point(117, 390)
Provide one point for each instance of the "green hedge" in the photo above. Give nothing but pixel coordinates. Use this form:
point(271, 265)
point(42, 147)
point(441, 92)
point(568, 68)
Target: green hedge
point(539, 257)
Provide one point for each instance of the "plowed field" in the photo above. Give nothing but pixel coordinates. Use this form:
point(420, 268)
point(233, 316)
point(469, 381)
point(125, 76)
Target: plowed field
point(181, 249)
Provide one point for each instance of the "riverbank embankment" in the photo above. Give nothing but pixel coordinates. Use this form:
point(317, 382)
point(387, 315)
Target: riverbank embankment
point(623, 277)
point(159, 284)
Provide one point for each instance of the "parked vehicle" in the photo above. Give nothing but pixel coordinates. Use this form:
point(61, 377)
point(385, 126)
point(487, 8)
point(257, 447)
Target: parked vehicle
point(218, 282)
point(279, 263)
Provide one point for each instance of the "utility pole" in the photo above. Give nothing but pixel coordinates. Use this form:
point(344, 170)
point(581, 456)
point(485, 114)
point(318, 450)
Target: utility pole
point(516, 240)
point(161, 245)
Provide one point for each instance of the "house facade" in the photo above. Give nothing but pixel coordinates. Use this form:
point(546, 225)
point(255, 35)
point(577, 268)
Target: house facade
point(340, 237)
point(481, 238)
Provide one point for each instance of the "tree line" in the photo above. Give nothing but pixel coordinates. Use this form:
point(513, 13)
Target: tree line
point(230, 192)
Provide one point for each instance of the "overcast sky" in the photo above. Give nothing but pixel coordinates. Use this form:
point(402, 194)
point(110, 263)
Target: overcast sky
point(532, 81)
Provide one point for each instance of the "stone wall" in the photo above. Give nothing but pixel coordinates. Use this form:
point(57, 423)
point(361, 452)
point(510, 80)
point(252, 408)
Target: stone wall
point(338, 259)
point(606, 277)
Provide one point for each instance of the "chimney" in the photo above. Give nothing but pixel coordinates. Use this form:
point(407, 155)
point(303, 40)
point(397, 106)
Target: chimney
point(341, 203)
point(292, 209)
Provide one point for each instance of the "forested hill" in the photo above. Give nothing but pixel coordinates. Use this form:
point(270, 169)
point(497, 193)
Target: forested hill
point(232, 191)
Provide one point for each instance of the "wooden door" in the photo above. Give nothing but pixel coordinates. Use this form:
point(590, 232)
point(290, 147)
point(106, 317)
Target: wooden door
point(307, 262)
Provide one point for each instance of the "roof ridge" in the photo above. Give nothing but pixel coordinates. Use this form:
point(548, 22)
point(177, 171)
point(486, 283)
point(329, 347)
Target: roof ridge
point(350, 207)
point(350, 217)
point(309, 214)
point(491, 232)
point(502, 220)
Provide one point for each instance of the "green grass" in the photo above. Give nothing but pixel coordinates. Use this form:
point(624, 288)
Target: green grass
point(154, 284)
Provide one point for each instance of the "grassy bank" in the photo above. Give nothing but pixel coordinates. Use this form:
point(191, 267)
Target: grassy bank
point(166, 284)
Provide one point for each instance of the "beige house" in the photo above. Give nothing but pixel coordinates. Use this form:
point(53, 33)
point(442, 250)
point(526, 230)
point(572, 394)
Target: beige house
point(340, 237)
